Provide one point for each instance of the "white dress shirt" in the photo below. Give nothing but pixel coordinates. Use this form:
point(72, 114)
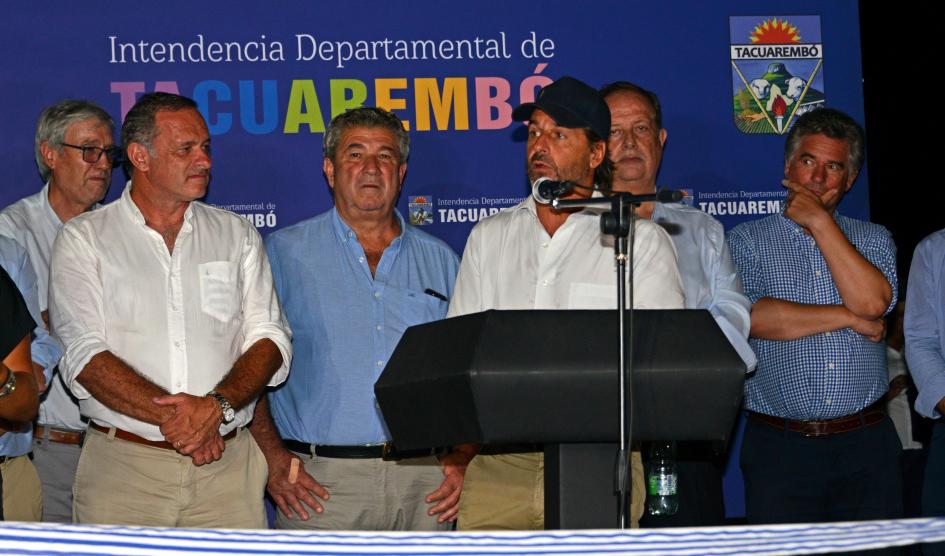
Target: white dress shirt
point(708, 272)
point(180, 319)
point(33, 223)
point(511, 262)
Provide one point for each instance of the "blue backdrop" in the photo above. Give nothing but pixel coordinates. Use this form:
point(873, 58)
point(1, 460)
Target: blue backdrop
point(731, 74)
point(268, 77)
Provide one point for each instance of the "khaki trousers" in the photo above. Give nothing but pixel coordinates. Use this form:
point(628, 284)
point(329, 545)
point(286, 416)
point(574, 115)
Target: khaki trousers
point(125, 483)
point(22, 495)
point(371, 495)
point(507, 491)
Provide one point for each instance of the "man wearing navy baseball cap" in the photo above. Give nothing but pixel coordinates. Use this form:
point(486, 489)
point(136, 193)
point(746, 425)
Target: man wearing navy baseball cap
point(533, 256)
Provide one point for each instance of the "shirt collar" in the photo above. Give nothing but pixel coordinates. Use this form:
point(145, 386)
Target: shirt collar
point(135, 213)
point(344, 232)
point(47, 208)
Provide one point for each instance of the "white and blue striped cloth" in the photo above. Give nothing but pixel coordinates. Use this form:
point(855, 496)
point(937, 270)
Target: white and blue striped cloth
point(47, 538)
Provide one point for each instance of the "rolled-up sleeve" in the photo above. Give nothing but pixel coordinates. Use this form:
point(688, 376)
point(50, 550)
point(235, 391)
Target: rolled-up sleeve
point(262, 314)
point(76, 306)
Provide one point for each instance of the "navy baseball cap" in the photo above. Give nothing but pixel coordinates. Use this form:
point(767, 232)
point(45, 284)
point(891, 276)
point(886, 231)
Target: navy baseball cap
point(571, 103)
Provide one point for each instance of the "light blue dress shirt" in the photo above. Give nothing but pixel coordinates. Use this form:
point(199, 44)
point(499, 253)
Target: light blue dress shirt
point(821, 376)
point(710, 280)
point(925, 323)
point(44, 349)
point(346, 323)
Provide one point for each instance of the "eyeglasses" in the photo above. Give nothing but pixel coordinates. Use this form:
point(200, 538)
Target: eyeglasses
point(94, 154)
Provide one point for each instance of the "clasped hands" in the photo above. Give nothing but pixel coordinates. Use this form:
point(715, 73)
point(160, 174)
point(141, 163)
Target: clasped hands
point(192, 426)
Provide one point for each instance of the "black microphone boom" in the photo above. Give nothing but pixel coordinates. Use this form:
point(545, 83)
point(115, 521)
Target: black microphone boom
point(661, 196)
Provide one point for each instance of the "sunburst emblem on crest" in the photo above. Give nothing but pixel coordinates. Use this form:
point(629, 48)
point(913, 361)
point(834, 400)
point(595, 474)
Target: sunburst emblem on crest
point(775, 31)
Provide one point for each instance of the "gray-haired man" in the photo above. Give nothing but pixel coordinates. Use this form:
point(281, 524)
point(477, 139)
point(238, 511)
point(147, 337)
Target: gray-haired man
point(351, 281)
point(75, 152)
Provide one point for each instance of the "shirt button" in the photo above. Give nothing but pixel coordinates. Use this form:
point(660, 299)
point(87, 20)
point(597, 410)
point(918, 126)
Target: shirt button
point(545, 245)
point(377, 295)
point(177, 344)
point(827, 333)
point(380, 363)
point(818, 273)
point(360, 259)
point(830, 366)
point(350, 234)
point(379, 327)
point(828, 402)
point(544, 282)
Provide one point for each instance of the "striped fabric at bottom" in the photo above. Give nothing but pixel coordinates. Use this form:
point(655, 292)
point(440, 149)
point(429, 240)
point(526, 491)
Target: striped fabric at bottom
point(45, 538)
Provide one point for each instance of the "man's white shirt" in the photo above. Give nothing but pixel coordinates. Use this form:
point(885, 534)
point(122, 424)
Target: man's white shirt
point(180, 319)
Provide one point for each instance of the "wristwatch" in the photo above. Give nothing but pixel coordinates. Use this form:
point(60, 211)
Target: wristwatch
point(9, 385)
point(228, 412)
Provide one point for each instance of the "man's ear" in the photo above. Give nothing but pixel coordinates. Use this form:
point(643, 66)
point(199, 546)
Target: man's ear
point(139, 156)
point(598, 152)
point(49, 154)
point(329, 168)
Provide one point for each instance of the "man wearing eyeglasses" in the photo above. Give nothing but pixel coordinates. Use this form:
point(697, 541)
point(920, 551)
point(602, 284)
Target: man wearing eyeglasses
point(75, 152)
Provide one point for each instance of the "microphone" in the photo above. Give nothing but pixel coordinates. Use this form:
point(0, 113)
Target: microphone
point(661, 196)
point(546, 190)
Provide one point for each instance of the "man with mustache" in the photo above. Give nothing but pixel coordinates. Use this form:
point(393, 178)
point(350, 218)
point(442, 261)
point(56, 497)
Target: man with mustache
point(171, 328)
point(532, 256)
point(75, 152)
point(818, 445)
point(709, 277)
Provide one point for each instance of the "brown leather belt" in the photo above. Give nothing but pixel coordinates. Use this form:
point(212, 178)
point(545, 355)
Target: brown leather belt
point(132, 437)
point(869, 416)
point(42, 432)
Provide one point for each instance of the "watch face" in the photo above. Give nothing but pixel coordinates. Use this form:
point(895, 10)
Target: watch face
point(228, 415)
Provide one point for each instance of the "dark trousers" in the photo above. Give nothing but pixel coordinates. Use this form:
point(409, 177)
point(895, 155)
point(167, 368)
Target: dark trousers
point(933, 489)
point(790, 478)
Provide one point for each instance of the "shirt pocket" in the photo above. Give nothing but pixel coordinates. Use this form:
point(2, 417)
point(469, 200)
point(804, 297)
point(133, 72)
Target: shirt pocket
point(219, 290)
point(421, 307)
point(583, 295)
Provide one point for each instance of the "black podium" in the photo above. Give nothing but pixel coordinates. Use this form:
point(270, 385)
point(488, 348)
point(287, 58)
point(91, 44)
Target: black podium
point(550, 377)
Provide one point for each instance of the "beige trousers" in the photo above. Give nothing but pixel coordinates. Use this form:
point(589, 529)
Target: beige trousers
point(22, 495)
point(507, 491)
point(371, 494)
point(125, 483)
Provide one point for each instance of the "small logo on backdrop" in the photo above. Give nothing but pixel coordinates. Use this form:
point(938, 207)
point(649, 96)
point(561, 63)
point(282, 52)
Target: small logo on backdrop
point(420, 208)
point(777, 71)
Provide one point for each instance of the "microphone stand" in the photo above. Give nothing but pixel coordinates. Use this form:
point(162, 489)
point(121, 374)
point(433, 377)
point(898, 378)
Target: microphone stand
point(619, 222)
